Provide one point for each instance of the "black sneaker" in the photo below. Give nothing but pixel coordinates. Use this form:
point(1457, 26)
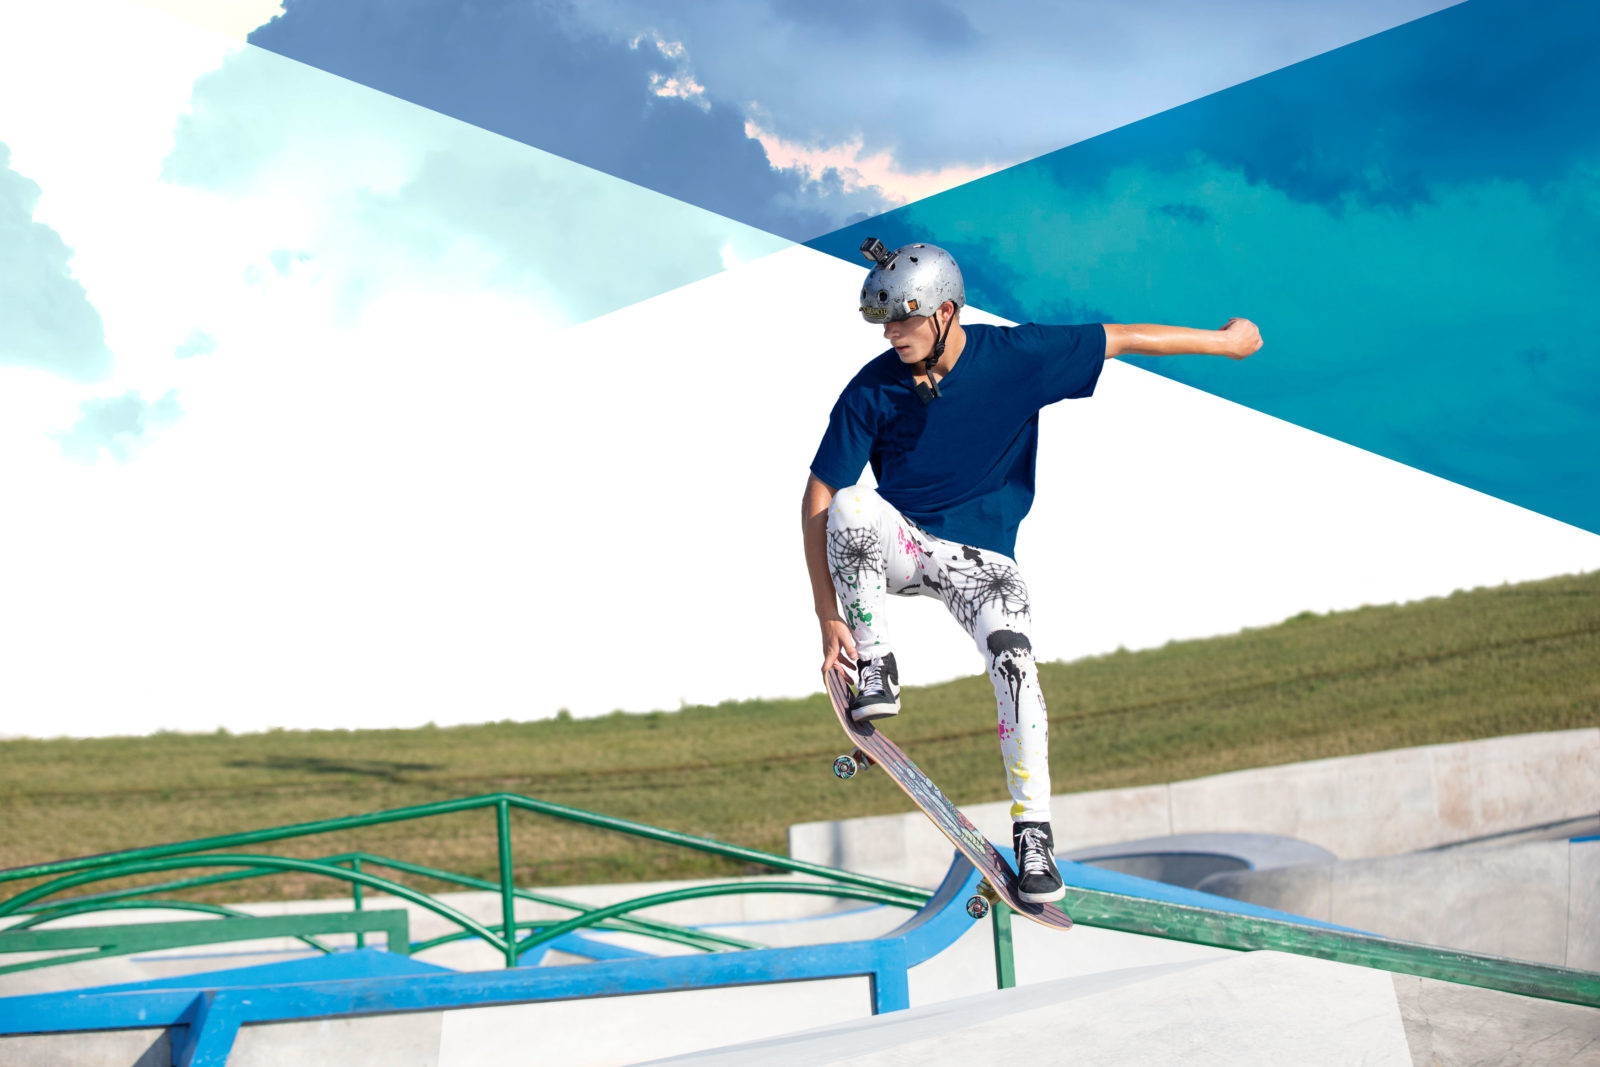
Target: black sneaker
point(877, 691)
point(1038, 881)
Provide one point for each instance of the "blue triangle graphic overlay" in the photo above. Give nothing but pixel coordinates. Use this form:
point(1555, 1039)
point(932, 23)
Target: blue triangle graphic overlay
point(1411, 219)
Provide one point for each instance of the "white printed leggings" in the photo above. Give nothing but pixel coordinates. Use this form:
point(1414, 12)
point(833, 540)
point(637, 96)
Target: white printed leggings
point(874, 552)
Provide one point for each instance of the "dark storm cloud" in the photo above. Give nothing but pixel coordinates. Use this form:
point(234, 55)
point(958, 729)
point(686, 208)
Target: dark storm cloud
point(524, 71)
point(46, 320)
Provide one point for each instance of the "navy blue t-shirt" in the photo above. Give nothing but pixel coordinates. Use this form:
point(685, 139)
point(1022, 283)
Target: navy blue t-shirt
point(961, 467)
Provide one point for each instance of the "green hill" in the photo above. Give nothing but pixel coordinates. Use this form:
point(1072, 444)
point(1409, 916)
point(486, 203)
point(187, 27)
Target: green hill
point(1476, 664)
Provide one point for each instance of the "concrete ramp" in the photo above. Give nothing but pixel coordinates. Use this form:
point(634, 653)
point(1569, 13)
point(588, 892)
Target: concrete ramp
point(1263, 1008)
point(1454, 897)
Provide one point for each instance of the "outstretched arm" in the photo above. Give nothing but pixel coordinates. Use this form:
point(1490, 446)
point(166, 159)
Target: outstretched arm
point(1237, 339)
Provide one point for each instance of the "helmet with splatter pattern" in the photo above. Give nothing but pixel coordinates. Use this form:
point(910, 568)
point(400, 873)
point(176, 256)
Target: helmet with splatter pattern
point(910, 281)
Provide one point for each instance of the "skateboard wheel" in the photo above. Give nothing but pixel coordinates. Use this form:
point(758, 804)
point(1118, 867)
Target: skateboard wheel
point(844, 767)
point(977, 907)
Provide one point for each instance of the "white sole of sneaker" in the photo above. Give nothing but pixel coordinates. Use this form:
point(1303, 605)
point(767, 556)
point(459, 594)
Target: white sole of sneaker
point(1042, 898)
point(875, 711)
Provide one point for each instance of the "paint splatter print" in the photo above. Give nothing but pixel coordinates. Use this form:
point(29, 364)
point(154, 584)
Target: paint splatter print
point(874, 552)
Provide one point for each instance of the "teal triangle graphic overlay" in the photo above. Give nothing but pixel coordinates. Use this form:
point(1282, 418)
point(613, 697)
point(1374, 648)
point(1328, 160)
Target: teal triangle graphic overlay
point(1413, 220)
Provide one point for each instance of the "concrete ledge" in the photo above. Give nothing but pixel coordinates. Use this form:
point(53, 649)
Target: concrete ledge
point(1379, 804)
point(1532, 901)
point(1246, 1009)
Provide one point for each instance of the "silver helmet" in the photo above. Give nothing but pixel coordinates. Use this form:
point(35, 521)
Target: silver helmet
point(914, 280)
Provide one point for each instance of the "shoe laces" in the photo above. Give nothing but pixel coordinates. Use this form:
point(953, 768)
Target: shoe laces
point(871, 676)
point(1034, 851)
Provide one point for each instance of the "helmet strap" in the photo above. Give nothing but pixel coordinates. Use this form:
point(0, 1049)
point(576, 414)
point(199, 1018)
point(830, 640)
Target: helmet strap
point(930, 392)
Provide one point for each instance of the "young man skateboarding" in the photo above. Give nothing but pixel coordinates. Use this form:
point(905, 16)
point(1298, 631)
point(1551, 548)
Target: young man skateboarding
point(948, 419)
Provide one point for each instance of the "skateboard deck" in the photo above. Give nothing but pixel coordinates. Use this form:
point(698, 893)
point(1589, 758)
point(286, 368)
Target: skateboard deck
point(999, 880)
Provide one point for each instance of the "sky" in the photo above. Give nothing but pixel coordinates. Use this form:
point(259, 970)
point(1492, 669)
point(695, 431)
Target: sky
point(1411, 220)
point(252, 198)
point(322, 408)
point(244, 292)
point(799, 117)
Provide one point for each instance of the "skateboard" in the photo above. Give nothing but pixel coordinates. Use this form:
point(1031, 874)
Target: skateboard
point(872, 748)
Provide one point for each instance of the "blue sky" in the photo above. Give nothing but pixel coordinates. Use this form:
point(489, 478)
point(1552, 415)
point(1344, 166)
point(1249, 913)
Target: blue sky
point(799, 117)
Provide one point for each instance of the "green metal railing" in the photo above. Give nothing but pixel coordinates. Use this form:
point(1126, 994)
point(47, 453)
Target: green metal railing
point(64, 911)
point(124, 939)
point(1087, 907)
point(42, 903)
point(1220, 929)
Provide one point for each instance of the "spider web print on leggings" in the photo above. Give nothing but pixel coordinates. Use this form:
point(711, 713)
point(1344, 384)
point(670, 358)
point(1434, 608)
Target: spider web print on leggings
point(968, 592)
point(853, 552)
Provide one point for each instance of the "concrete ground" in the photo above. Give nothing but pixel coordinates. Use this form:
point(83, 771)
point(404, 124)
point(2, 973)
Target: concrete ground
point(1451, 1025)
point(1257, 1008)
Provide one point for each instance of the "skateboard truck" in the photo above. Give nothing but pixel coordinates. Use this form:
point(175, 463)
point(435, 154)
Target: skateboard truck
point(978, 905)
point(846, 766)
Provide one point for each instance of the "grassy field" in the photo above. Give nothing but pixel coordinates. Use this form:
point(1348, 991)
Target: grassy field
point(1475, 664)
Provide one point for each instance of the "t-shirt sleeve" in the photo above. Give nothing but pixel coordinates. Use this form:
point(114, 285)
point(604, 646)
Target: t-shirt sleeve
point(1069, 358)
point(847, 444)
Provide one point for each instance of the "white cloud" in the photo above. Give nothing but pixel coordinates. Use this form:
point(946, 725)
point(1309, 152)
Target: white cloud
point(198, 343)
point(46, 320)
point(380, 194)
point(249, 191)
point(681, 83)
point(120, 426)
point(680, 88)
point(235, 18)
point(379, 286)
point(861, 170)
